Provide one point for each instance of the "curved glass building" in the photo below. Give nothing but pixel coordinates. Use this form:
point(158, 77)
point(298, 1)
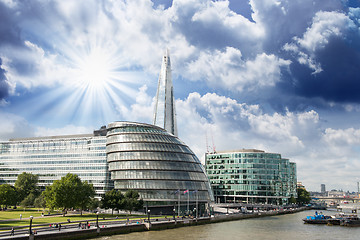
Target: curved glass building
point(164, 171)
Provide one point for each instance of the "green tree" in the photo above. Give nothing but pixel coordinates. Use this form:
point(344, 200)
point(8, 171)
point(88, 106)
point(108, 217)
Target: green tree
point(28, 201)
point(26, 183)
point(68, 192)
point(40, 202)
point(8, 195)
point(132, 201)
point(86, 195)
point(112, 199)
point(292, 199)
point(303, 196)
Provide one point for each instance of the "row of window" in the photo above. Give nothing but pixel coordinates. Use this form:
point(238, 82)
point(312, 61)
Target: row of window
point(146, 147)
point(155, 165)
point(243, 155)
point(161, 175)
point(143, 138)
point(166, 194)
point(56, 168)
point(132, 129)
point(247, 160)
point(251, 193)
point(243, 166)
point(120, 156)
point(159, 184)
point(46, 161)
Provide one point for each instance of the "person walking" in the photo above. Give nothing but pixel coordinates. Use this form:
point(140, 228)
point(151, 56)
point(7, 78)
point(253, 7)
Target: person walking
point(12, 231)
point(59, 227)
point(20, 216)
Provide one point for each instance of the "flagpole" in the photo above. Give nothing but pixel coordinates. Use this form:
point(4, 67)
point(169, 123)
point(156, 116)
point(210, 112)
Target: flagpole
point(179, 203)
point(188, 201)
point(197, 208)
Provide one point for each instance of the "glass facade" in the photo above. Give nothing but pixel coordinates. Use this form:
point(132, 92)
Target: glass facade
point(251, 176)
point(155, 163)
point(53, 157)
point(164, 112)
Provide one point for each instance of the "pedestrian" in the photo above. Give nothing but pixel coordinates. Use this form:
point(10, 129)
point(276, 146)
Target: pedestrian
point(12, 231)
point(88, 225)
point(20, 216)
point(79, 225)
point(59, 227)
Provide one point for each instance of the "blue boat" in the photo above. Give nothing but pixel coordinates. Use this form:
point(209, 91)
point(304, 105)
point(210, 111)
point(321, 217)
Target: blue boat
point(317, 219)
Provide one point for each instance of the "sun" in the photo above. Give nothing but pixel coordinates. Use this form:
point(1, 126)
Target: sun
point(94, 69)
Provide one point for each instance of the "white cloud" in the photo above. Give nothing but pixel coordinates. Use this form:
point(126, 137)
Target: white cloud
point(324, 26)
point(13, 126)
point(66, 130)
point(142, 110)
point(228, 69)
point(37, 68)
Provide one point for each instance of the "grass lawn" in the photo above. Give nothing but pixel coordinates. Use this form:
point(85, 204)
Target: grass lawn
point(15, 214)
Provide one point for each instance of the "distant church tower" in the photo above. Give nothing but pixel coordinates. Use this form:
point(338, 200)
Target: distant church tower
point(164, 113)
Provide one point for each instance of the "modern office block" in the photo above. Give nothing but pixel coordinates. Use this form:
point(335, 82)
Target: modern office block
point(53, 157)
point(251, 176)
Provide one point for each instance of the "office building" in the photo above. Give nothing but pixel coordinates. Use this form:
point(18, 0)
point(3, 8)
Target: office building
point(53, 157)
point(251, 176)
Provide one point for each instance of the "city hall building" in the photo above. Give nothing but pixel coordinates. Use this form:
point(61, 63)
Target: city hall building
point(251, 176)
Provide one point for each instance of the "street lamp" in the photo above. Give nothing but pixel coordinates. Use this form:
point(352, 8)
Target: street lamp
point(174, 213)
point(97, 219)
point(149, 216)
point(195, 213)
point(31, 218)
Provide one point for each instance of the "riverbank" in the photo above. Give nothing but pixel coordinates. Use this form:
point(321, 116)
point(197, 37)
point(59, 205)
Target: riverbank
point(122, 227)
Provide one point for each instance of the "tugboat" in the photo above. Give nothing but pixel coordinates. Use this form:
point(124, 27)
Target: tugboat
point(317, 219)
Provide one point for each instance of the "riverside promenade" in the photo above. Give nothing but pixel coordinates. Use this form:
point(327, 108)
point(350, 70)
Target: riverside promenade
point(74, 231)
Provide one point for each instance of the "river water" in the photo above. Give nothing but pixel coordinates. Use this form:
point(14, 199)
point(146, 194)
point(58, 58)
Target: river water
point(288, 226)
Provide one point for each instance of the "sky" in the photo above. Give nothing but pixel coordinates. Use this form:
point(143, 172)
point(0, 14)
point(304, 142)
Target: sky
point(276, 75)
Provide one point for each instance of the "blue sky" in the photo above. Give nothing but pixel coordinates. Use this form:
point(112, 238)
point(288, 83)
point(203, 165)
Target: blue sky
point(277, 75)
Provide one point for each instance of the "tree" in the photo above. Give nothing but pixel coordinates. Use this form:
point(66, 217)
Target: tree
point(113, 199)
point(40, 202)
point(132, 201)
point(303, 196)
point(28, 201)
point(8, 195)
point(86, 194)
point(292, 199)
point(68, 192)
point(26, 183)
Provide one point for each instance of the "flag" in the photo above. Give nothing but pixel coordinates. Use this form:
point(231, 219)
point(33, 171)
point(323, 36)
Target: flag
point(186, 191)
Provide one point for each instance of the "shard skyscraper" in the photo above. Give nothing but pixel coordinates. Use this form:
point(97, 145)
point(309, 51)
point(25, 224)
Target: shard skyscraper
point(164, 112)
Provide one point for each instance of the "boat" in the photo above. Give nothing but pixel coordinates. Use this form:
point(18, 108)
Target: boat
point(338, 219)
point(353, 221)
point(317, 219)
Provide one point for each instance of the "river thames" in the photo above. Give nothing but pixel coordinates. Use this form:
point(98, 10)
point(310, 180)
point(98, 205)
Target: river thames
point(288, 226)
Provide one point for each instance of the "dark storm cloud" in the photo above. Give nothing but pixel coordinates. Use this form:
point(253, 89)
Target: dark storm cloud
point(290, 19)
point(340, 79)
